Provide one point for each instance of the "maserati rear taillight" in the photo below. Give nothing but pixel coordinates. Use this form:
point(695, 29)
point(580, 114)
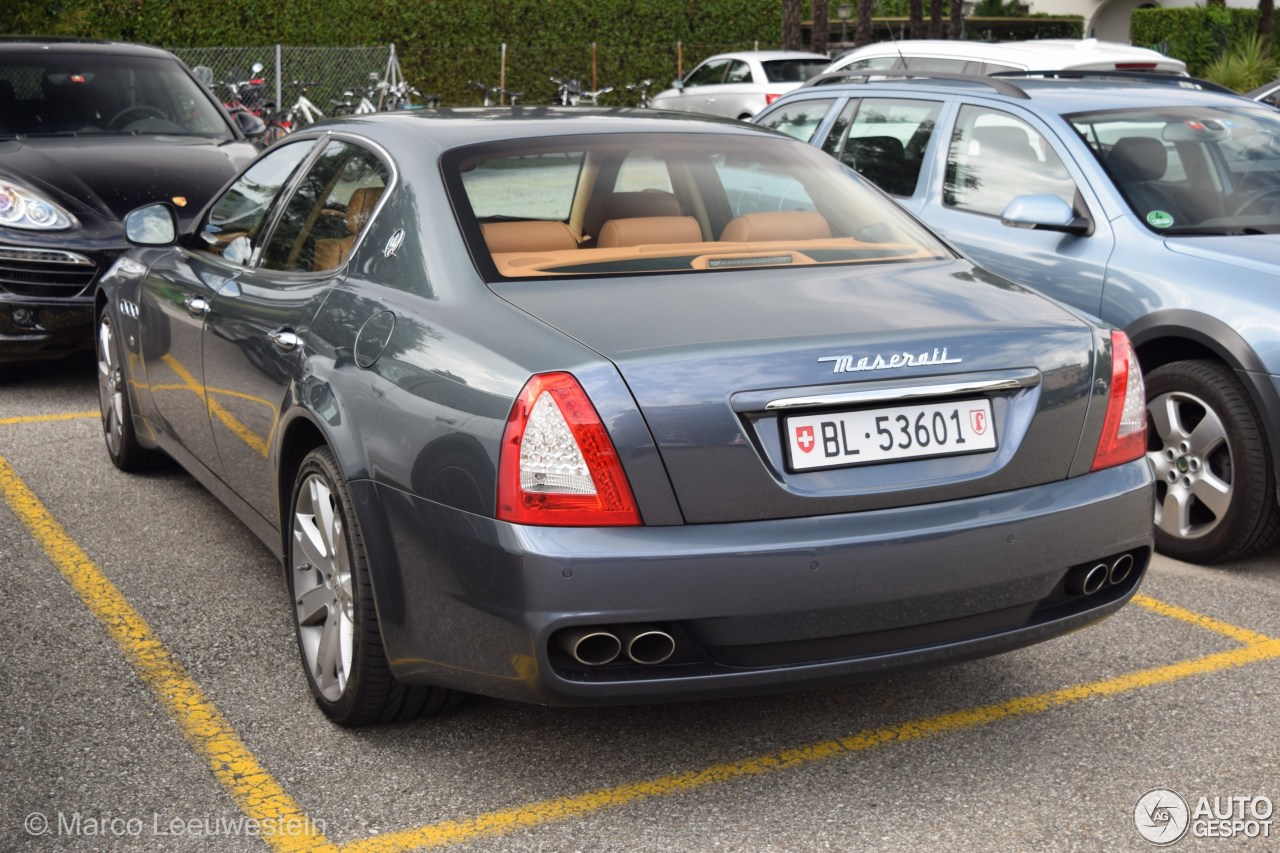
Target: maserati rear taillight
point(1124, 434)
point(557, 465)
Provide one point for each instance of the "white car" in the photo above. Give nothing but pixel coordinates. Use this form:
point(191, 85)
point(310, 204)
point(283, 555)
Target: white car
point(977, 57)
point(739, 85)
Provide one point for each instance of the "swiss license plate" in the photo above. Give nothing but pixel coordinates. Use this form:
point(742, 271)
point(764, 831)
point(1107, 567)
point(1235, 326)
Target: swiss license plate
point(832, 439)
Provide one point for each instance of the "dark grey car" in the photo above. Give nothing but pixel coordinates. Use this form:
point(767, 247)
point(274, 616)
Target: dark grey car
point(588, 407)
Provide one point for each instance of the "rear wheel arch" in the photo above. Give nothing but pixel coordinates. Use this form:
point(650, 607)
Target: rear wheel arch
point(1199, 360)
point(1163, 337)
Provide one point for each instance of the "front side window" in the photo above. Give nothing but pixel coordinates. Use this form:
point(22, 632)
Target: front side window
point(884, 139)
point(1189, 169)
point(995, 157)
point(233, 227)
point(329, 208)
point(798, 119)
point(707, 73)
point(646, 203)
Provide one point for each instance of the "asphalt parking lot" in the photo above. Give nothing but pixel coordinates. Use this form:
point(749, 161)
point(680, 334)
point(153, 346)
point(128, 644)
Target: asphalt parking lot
point(152, 700)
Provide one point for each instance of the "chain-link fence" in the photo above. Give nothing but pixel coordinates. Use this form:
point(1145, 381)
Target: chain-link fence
point(327, 72)
point(448, 72)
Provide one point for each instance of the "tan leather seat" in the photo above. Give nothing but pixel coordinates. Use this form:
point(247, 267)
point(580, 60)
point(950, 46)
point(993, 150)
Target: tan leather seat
point(329, 254)
point(776, 225)
point(528, 236)
point(644, 230)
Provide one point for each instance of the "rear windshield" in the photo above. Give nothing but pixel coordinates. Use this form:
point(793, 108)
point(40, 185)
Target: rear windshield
point(628, 203)
point(793, 70)
point(71, 93)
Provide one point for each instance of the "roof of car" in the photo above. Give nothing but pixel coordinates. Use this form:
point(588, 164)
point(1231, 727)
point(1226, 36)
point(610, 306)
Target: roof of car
point(1031, 52)
point(768, 55)
point(74, 45)
point(446, 128)
point(1058, 94)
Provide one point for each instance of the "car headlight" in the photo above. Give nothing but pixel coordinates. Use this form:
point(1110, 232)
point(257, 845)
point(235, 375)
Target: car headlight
point(22, 208)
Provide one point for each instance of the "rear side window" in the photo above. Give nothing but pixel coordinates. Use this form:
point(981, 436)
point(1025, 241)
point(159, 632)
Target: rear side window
point(934, 63)
point(799, 119)
point(327, 211)
point(739, 72)
point(995, 157)
point(884, 139)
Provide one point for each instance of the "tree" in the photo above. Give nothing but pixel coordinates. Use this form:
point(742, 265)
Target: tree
point(1266, 20)
point(955, 23)
point(862, 33)
point(936, 30)
point(791, 25)
point(915, 18)
point(821, 26)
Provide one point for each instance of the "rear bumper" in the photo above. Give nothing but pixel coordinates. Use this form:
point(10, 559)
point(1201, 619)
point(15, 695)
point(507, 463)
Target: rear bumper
point(474, 604)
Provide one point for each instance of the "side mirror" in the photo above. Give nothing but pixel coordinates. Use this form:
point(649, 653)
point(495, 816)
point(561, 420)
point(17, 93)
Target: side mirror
point(204, 74)
point(1044, 213)
point(250, 125)
point(257, 67)
point(678, 85)
point(152, 225)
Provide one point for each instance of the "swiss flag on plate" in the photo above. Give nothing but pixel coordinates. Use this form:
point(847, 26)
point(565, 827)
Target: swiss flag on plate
point(804, 438)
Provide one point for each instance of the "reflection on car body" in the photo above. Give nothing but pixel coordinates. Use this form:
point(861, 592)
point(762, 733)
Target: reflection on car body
point(565, 444)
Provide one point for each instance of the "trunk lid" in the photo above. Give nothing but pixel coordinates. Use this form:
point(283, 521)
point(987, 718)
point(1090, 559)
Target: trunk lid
point(718, 362)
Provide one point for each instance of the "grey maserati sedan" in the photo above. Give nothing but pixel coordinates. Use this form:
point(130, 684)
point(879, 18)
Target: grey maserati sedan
point(592, 406)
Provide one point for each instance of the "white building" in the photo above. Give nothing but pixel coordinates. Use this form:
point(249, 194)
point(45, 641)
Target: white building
point(1108, 20)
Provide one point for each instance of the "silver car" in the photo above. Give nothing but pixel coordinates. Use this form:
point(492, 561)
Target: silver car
point(739, 85)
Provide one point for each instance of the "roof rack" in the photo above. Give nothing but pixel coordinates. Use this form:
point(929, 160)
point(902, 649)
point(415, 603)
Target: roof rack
point(1160, 78)
point(1002, 86)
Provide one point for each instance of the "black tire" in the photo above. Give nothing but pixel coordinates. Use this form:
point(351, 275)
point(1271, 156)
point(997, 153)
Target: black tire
point(328, 578)
point(1215, 481)
point(123, 448)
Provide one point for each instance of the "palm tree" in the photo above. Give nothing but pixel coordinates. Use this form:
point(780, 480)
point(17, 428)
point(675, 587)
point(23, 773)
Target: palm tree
point(862, 33)
point(790, 24)
point(821, 27)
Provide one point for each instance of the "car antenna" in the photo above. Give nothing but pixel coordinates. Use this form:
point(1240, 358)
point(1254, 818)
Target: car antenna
point(896, 45)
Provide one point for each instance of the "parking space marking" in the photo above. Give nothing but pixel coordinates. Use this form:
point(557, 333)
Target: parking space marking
point(1240, 635)
point(262, 798)
point(41, 419)
point(285, 826)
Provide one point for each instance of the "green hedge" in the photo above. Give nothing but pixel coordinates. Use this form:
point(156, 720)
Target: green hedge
point(1196, 35)
point(441, 43)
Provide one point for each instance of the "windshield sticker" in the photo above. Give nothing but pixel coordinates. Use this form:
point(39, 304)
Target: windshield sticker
point(1159, 219)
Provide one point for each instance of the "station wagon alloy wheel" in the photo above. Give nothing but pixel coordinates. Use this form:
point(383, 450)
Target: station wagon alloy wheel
point(1213, 489)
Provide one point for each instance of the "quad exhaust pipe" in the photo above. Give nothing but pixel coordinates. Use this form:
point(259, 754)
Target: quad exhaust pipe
point(1088, 579)
point(592, 646)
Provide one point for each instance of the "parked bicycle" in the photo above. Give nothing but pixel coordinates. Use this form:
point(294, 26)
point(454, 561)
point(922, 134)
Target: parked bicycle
point(641, 90)
point(302, 111)
point(491, 91)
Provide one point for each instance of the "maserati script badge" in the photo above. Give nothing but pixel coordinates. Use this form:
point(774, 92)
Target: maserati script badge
point(846, 364)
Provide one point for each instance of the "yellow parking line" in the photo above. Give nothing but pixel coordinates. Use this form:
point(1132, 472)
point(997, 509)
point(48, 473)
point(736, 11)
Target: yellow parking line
point(263, 799)
point(281, 820)
point(506, 821)
point(40, 419)
point(1241, 635)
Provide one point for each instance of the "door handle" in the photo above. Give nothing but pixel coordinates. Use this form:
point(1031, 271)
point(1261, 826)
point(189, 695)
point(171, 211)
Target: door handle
point(197, 306)
point(284, 339)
